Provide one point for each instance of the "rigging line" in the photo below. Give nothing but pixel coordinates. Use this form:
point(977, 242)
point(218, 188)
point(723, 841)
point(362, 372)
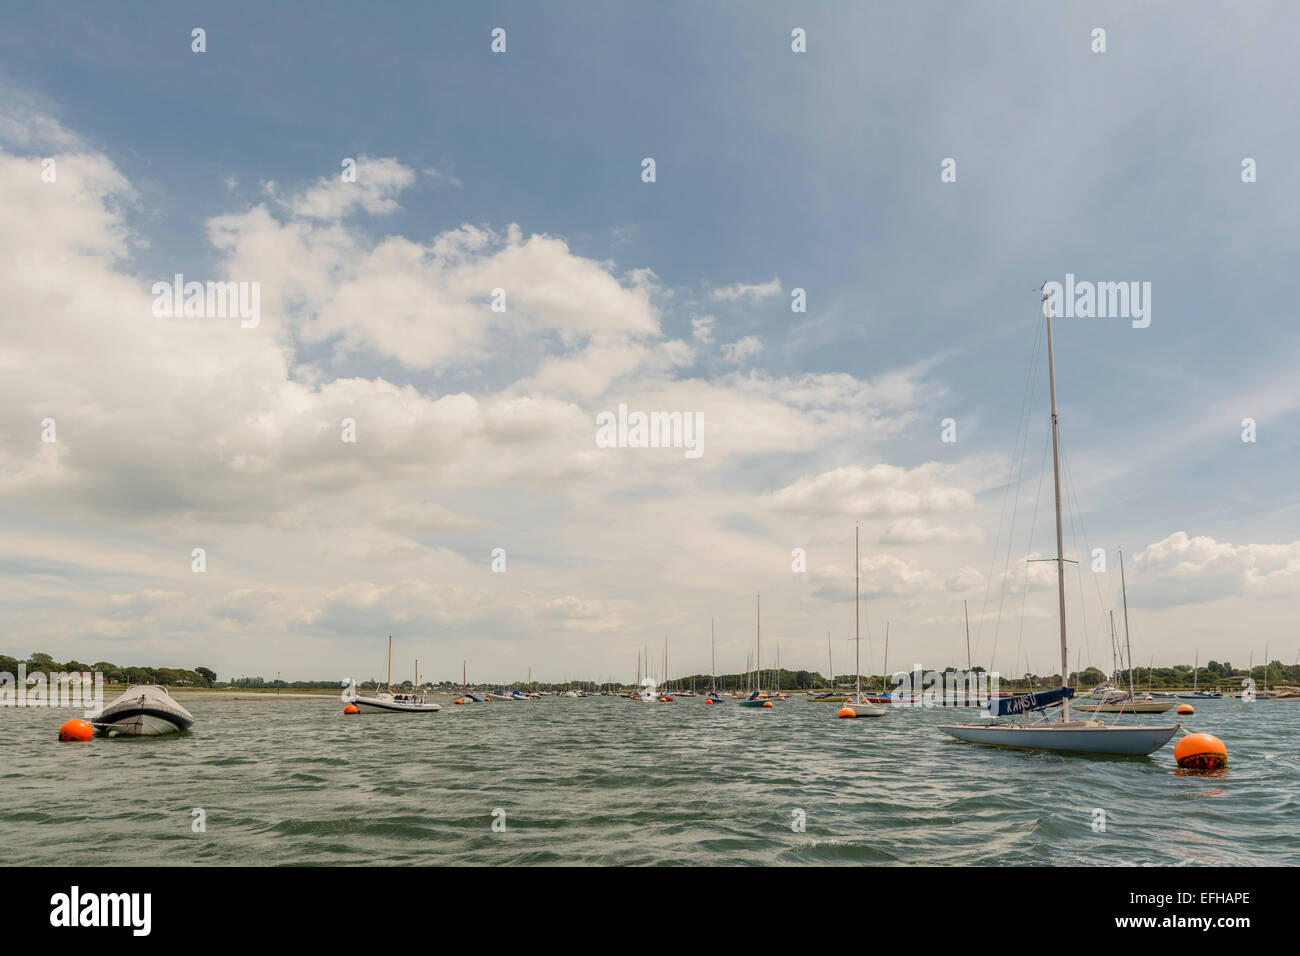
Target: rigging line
point(1029, 546)
point(1021, 442)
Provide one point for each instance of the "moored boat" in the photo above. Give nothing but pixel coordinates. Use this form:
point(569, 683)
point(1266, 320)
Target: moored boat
point(1065, 735)
point(145, 710)
point(386, 702)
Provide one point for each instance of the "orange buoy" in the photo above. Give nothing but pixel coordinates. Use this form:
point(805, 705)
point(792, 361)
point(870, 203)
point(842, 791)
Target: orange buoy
point(847, 712)
point(1186, 709)
point(459, 701)
point(708, 701)
point(351, 709)
point(767, 703)
point(76, 730)
point(1201, 752)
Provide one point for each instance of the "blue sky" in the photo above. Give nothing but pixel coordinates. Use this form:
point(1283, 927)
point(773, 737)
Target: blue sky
point(820, 170)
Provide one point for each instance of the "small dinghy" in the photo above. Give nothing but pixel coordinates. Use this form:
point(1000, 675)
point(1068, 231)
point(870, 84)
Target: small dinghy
point(145, 710)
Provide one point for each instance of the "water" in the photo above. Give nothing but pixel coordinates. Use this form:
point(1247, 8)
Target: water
point(610, 781)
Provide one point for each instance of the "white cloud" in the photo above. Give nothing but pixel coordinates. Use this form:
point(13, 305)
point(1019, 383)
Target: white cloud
point(377, 182)
point(757, 292)
point(879, 491)
point(739, 351)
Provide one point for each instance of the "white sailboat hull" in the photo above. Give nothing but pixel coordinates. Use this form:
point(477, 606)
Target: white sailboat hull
point(1083, 737)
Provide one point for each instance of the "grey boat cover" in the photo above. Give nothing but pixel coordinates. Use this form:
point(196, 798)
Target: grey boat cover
point(144, 698)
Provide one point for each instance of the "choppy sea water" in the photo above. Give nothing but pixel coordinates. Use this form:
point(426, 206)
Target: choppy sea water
point(609, 781)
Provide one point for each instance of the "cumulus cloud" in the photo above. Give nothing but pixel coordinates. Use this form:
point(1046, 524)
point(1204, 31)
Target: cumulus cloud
point(175, 433)
point(879, 491)
point(1184, 569)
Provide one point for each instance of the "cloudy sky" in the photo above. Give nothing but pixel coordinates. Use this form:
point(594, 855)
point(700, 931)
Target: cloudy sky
point(775, 171)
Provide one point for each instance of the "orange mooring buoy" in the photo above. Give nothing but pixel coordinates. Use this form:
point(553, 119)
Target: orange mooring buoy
point(847, 712)
point(1201, 752)
point(1186, 709)
point(767, 703)
point(351, 709)
point(459, 701)
point(708, 701)
point(76, 730)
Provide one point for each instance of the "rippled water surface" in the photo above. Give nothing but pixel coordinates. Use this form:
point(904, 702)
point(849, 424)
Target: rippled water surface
point(609, 781)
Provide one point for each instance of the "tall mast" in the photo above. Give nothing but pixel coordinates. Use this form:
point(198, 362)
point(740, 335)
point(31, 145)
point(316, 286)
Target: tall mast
point(1060, 537)
point(713, 648)
point(758, 629)
point(966, 611)
point(1114, 666)
point(390, 663)
point(884, 678)
point(830, 665)
point(1128, 645)
point(857, 640)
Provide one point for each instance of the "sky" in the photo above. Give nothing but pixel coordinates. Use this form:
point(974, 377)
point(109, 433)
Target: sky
point(918, 171)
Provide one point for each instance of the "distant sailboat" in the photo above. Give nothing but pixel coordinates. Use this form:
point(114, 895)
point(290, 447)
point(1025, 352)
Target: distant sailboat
point(714, 696)
point(860, 705)
point(756, 699)
point(831, 696)
point(1065, 735)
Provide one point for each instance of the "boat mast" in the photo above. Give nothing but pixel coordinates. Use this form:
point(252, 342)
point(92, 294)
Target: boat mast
point(1114, 667)
point(884, 678)
point(966, 611)
point(830, 665)
point(758, 630)
point(857, 640)
point(1128, 644)
point(1060, 537)
point(713, 648)
point(390, 663)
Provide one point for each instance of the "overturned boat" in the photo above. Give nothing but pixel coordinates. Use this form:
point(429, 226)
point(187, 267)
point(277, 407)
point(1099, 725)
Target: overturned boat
point(145, 710)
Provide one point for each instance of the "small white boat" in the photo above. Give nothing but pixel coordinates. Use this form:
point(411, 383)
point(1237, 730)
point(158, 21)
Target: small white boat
point(386, 702)
point(145, 710)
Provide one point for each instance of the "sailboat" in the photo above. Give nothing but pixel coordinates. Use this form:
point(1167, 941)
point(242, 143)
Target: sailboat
point(1065, 735)
point(1197, 694)
point(756, 699)
point(1119, 702)
point(386, 702)
point(859, 704)
point(713, 695)
point(831, 696)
